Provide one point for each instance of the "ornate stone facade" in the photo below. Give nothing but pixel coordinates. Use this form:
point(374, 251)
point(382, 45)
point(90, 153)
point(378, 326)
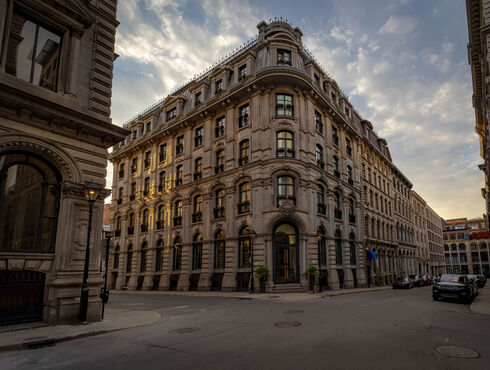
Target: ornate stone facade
point(55, 89)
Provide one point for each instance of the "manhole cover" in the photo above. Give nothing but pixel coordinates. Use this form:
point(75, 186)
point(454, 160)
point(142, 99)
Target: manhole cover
point(184, 330)
point(458, 352)
point(289, 312)
point(287, 324)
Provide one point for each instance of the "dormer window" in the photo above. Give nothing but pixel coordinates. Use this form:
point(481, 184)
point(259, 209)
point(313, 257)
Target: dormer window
point(283, 57)
point(171, 114)
point(347, 111)
point(33, 53)
point(317, 79)
point(242, 72)
point(135, 134)
point(197, 99)
point(148, 126)
point(218, 87)
point(333, 96)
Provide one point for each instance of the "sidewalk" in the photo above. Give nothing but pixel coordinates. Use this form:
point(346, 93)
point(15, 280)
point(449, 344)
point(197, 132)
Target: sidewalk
point(245, 295)
point(35, 335)
point(481, 304)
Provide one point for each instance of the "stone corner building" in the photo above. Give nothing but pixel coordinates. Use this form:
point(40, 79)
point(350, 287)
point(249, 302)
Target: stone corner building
point(260, 161)
point(56, 63)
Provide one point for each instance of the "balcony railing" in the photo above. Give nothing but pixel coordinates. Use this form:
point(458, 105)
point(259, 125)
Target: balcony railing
point(198, 176)
point(146, 192)
point(159, 224)
point(244, 207)
point(132, 197)
point(219, 212)
point(289, 153)
point(130, 230)
point(178, 182)
point(121, 174)
point(177, 221)
point(147, 163)
point(197, 217)
point(321, 208)
point(338, 214)
point(220, 168)
point(133, 169)
point(243, 120)
point(336, 173)
point(350, 181)
point(352, 219)
point(161, 187)
point(144, 228)
point(179, 149)
point(335, 140)
point(320, 164)
point(117, 232)
point(119, 201)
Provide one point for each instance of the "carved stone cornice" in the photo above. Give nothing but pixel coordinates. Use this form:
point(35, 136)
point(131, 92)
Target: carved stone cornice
point(287, 208)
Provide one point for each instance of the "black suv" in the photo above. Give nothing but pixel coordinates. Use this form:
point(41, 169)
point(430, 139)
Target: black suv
point(454, 286)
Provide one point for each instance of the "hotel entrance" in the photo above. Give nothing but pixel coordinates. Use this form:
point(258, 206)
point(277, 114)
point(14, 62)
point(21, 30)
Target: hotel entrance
point(286, 260)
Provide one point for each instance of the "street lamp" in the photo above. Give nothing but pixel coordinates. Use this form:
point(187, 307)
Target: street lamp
point(91, 191)
point(253, 235)
point(104, 295)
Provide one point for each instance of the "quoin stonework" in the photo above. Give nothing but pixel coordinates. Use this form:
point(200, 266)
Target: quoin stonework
point(56, 62)
point(261, 161)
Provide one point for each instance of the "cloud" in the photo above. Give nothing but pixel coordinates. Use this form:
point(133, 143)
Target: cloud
point(398, 25)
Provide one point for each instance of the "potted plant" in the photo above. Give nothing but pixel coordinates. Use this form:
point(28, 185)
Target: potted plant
point(262, 273)
point(311, 274)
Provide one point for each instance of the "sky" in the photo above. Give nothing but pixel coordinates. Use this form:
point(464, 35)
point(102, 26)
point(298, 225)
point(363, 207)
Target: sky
point(403, 64)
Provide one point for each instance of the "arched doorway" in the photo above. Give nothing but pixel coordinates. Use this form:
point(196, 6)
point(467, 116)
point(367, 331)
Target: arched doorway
point(286, 254)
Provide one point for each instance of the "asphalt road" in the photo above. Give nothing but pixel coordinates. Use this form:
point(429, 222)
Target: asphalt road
point(397, 329)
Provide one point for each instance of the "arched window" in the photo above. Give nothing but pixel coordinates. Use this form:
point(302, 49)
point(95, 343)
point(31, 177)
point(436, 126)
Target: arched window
point(177, 254)
point(453, 247)
point(319, 156)
point(144, 220)
point(338, 248)
point(129, 259)
point(197, 252)
point(244, 197)
point(285, 190)
point(219, 209)
point(322, 248)
point(220, 161)
point(197, 209)
point(178, 213)
point(244, 152)
point(29, 201)
point(160, 216)
point(320, 196)
point(285, 144)
point(244, 247)
point(144, 251)
point(198, 169)
point(352, 249)
point(159, 256)
point(179, 175)
point(219, 249)
point(115, 261)
point(446, 247)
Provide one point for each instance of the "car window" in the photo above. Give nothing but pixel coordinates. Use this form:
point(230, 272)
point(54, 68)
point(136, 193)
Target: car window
point(449, 278)
point(462, 280)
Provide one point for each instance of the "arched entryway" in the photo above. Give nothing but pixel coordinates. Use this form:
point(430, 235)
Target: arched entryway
point(286, 254)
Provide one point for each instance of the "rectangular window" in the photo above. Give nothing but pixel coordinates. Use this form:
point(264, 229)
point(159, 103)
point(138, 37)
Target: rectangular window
point(134, 165)
point(147, 159)
point(220, 127)
point(244, 253)
point(148, 126)
point(198, 138)
point(317, 79)
point(161, 181)
point(243, 118)
point(177, 257)
point(197, 99)
point(171, 114)
point(33, 53)
point(284, 105)
point(179, 147)
point(348, 147)
point(335, 136)
point(162, 155)
point(242, 72)
point(318, 122)
point(283, 57)
point(196, 256)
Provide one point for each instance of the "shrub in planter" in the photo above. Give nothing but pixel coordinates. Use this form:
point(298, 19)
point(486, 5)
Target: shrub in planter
point(311, 274)
point(262, 273)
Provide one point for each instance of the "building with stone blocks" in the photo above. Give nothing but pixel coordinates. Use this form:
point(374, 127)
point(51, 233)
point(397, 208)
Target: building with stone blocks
point(56, 62)
point(478, 16)
point(377, 210)
point(262, 153)
point(435, 225)
point(466, 244)
point(421, 233)
point(404, 224)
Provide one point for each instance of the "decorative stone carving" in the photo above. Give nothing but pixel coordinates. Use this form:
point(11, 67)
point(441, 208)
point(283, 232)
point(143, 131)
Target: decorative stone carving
point(287, 208)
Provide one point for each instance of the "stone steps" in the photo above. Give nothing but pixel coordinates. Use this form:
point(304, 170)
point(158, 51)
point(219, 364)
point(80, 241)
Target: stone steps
point(289, 288)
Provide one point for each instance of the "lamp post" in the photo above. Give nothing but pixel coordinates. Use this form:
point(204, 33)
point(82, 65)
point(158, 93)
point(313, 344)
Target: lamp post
point(91, 191)
point(253, 235)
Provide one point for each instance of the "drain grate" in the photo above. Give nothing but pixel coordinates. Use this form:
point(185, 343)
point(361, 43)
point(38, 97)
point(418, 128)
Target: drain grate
point(287, 324)
point(184, 330)
point(40, 344)
point(289, 312)
point(457, 352)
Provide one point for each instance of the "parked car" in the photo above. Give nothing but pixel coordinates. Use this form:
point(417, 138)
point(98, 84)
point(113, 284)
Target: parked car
point(476, 282)
point(454, 286)
point(426, 280)
point(403, 282)
point(417, 281)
